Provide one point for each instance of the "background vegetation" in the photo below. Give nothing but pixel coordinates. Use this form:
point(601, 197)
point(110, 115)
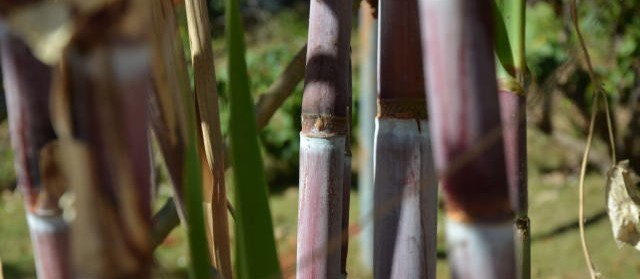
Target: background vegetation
point(559, 101)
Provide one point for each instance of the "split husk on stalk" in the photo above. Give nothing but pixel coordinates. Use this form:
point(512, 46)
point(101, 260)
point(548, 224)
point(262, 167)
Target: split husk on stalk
point(209, 136)
point(173, 120)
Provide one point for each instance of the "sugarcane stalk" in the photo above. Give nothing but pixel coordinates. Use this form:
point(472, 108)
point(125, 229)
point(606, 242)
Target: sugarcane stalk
point(513, 111)
point(215, 197)
point(367, 112)
point(323, 139)
point(27, 90)
point(405, 188)
point(467, 135)
point(103, 84)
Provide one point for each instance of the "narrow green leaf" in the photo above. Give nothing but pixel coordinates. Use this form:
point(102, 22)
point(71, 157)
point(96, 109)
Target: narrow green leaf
point(198, 252)
point(256, 255)
point(502, 44)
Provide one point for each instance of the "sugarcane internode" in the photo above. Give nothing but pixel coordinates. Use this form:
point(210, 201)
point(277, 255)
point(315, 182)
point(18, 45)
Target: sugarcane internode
point(457, 38)
point(323, 142)
point(405, 187)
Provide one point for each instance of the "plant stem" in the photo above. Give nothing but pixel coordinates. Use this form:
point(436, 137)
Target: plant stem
point(280, 89)
point(27, 91)
point(322, 140)
point(405, 188)
point(467, 135)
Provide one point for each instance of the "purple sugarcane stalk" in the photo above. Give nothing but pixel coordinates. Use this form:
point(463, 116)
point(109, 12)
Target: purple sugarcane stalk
point(27, 89)
point(468, 143)
point(405, 191)
point(513, 112)
point(323, 140)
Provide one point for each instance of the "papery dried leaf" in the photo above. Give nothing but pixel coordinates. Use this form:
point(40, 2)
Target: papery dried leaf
point(107, 161)
point(210, 142)
point(623, 204)
point(171, 94)
point(106, 156)
point(89, 231)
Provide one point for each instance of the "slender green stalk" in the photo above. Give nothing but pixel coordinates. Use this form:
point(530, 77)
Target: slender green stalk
point(256, 255)
point(514, 113)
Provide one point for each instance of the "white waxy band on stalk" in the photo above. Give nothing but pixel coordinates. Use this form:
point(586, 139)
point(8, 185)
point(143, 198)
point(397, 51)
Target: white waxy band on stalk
point(46, 223)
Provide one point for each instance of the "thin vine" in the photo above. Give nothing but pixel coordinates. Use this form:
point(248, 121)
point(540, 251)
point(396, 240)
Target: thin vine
point(598, 91)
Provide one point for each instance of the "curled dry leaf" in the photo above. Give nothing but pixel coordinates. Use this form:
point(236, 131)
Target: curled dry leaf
point(623, 204)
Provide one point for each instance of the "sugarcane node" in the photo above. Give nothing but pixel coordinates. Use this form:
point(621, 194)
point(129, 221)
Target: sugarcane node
point(522, 223)
point(511, 86)
point(323, 125)
point(488, 211)
point(402, 108)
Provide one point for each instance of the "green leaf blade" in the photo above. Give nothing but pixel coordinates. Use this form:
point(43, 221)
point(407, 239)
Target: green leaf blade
point(256, 255)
